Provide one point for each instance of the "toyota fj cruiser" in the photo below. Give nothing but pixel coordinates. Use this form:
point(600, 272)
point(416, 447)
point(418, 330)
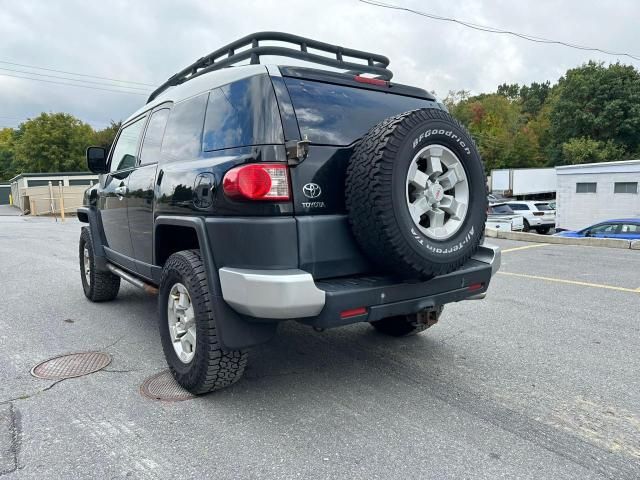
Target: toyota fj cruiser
point(249, 195)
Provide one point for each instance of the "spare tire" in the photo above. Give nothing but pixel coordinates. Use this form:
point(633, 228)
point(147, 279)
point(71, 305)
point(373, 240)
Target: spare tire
point(416, 193)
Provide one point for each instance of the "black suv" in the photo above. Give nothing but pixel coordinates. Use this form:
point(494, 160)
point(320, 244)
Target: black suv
point(244, 196)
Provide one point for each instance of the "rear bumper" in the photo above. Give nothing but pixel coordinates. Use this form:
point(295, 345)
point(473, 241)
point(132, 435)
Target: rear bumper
point(271, 295)
point(542, 222)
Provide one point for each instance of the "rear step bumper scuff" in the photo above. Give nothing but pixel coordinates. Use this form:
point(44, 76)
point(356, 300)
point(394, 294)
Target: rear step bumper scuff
point(271, 295)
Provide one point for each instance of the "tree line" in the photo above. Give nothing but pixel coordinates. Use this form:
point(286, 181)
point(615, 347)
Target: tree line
point(51, 142)
point(592, 114)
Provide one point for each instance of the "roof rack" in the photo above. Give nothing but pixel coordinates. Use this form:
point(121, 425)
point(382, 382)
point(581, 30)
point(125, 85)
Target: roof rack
point(227, 56)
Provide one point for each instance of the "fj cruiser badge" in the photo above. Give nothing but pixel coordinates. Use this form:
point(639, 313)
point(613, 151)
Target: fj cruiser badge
point(311, 190)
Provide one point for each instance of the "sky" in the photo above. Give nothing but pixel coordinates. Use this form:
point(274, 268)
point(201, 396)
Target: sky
point(148, 40)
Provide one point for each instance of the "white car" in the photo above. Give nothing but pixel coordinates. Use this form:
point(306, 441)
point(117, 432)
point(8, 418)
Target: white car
point(537, 215)
point(501, 217)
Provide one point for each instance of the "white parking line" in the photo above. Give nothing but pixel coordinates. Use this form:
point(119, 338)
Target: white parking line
point(571, 282)
point(515, 249)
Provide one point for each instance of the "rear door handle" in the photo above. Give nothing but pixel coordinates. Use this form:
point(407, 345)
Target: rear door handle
point(121, 191)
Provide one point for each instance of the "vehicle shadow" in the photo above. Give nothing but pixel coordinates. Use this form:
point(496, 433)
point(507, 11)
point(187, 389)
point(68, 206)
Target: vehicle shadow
point(300, 362)
point(355, 361)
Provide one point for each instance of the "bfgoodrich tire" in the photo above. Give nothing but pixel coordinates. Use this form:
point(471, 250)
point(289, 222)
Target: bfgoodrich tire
point(98, 286)
point(188, 329)
point(416, 194)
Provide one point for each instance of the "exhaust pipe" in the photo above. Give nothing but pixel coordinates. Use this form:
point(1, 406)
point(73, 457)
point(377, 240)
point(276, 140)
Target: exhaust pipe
point(150, 289)
point(479, 296)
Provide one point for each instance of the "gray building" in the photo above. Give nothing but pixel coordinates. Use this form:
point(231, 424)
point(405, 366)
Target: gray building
point(21, 183)
point(593, 192)
point(5, 191)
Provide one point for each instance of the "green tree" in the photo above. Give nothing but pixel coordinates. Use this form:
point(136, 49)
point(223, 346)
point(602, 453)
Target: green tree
point(533, 97)
point(7, 156)
point(509, 90)
point(52, 142)
point(599, 103)
point(500, 129)
point(588, 150)
point(105, 137)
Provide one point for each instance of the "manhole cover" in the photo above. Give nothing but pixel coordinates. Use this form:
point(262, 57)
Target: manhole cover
point(162, 386)
point(71, 365)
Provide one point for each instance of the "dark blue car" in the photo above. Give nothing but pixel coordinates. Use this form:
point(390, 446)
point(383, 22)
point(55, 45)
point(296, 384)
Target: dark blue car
point(624, 228)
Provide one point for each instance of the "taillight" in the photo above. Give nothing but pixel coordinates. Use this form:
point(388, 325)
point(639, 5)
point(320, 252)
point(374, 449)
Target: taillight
point(538, 214)
point(371, 81)
point(353, 312)
point(258, 181)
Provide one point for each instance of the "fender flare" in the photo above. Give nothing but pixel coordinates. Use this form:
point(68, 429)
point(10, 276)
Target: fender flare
point(90, 215)
point(234, 330)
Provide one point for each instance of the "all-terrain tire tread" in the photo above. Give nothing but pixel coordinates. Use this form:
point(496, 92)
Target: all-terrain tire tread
point(222, 367)
point(368, 195)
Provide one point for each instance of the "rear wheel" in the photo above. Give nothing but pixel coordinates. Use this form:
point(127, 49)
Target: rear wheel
point(188, 329)
point(98, 286)
point(543, 230)
point(407, 325)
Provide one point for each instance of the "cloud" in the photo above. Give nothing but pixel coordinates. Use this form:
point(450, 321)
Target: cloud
point(147, 41)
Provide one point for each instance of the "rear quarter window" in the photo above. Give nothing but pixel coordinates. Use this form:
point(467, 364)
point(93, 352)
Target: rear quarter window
point(338, 115)
point(242, 113)
point(183, 135)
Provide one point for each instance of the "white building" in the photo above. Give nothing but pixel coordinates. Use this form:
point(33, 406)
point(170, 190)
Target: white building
point(522, 182)
point(594, 192)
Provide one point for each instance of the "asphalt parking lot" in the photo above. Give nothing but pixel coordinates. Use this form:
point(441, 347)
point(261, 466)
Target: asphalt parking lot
point(539, 380)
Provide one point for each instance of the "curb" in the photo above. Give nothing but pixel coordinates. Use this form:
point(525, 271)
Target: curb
point(585, 242)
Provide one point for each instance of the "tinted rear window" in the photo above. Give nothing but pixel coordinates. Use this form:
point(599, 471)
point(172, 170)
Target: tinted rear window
point(543, 207)
point(338, 115)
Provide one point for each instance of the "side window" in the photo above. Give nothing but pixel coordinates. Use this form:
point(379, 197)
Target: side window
point(150, 150)
point(606, 228)
point(625, 187)
point(124, 153)
point(630, 228)
point(586, 187)
point(242, 113)
point(183, 136)
point(518, 206)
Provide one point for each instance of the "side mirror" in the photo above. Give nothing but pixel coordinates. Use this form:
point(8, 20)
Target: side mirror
point(97, 159)
point(587, 233)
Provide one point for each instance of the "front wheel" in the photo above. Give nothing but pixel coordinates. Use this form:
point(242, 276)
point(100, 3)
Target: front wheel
point(188, 329)
point(407, 325)
point(526, 227)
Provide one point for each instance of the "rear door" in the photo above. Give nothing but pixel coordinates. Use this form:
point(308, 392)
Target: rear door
point(629, 231)
point(112, 201)
point(333, 118)
point(142, 182)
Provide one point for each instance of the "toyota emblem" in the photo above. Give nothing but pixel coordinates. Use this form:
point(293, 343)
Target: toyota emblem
point(311, 190)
